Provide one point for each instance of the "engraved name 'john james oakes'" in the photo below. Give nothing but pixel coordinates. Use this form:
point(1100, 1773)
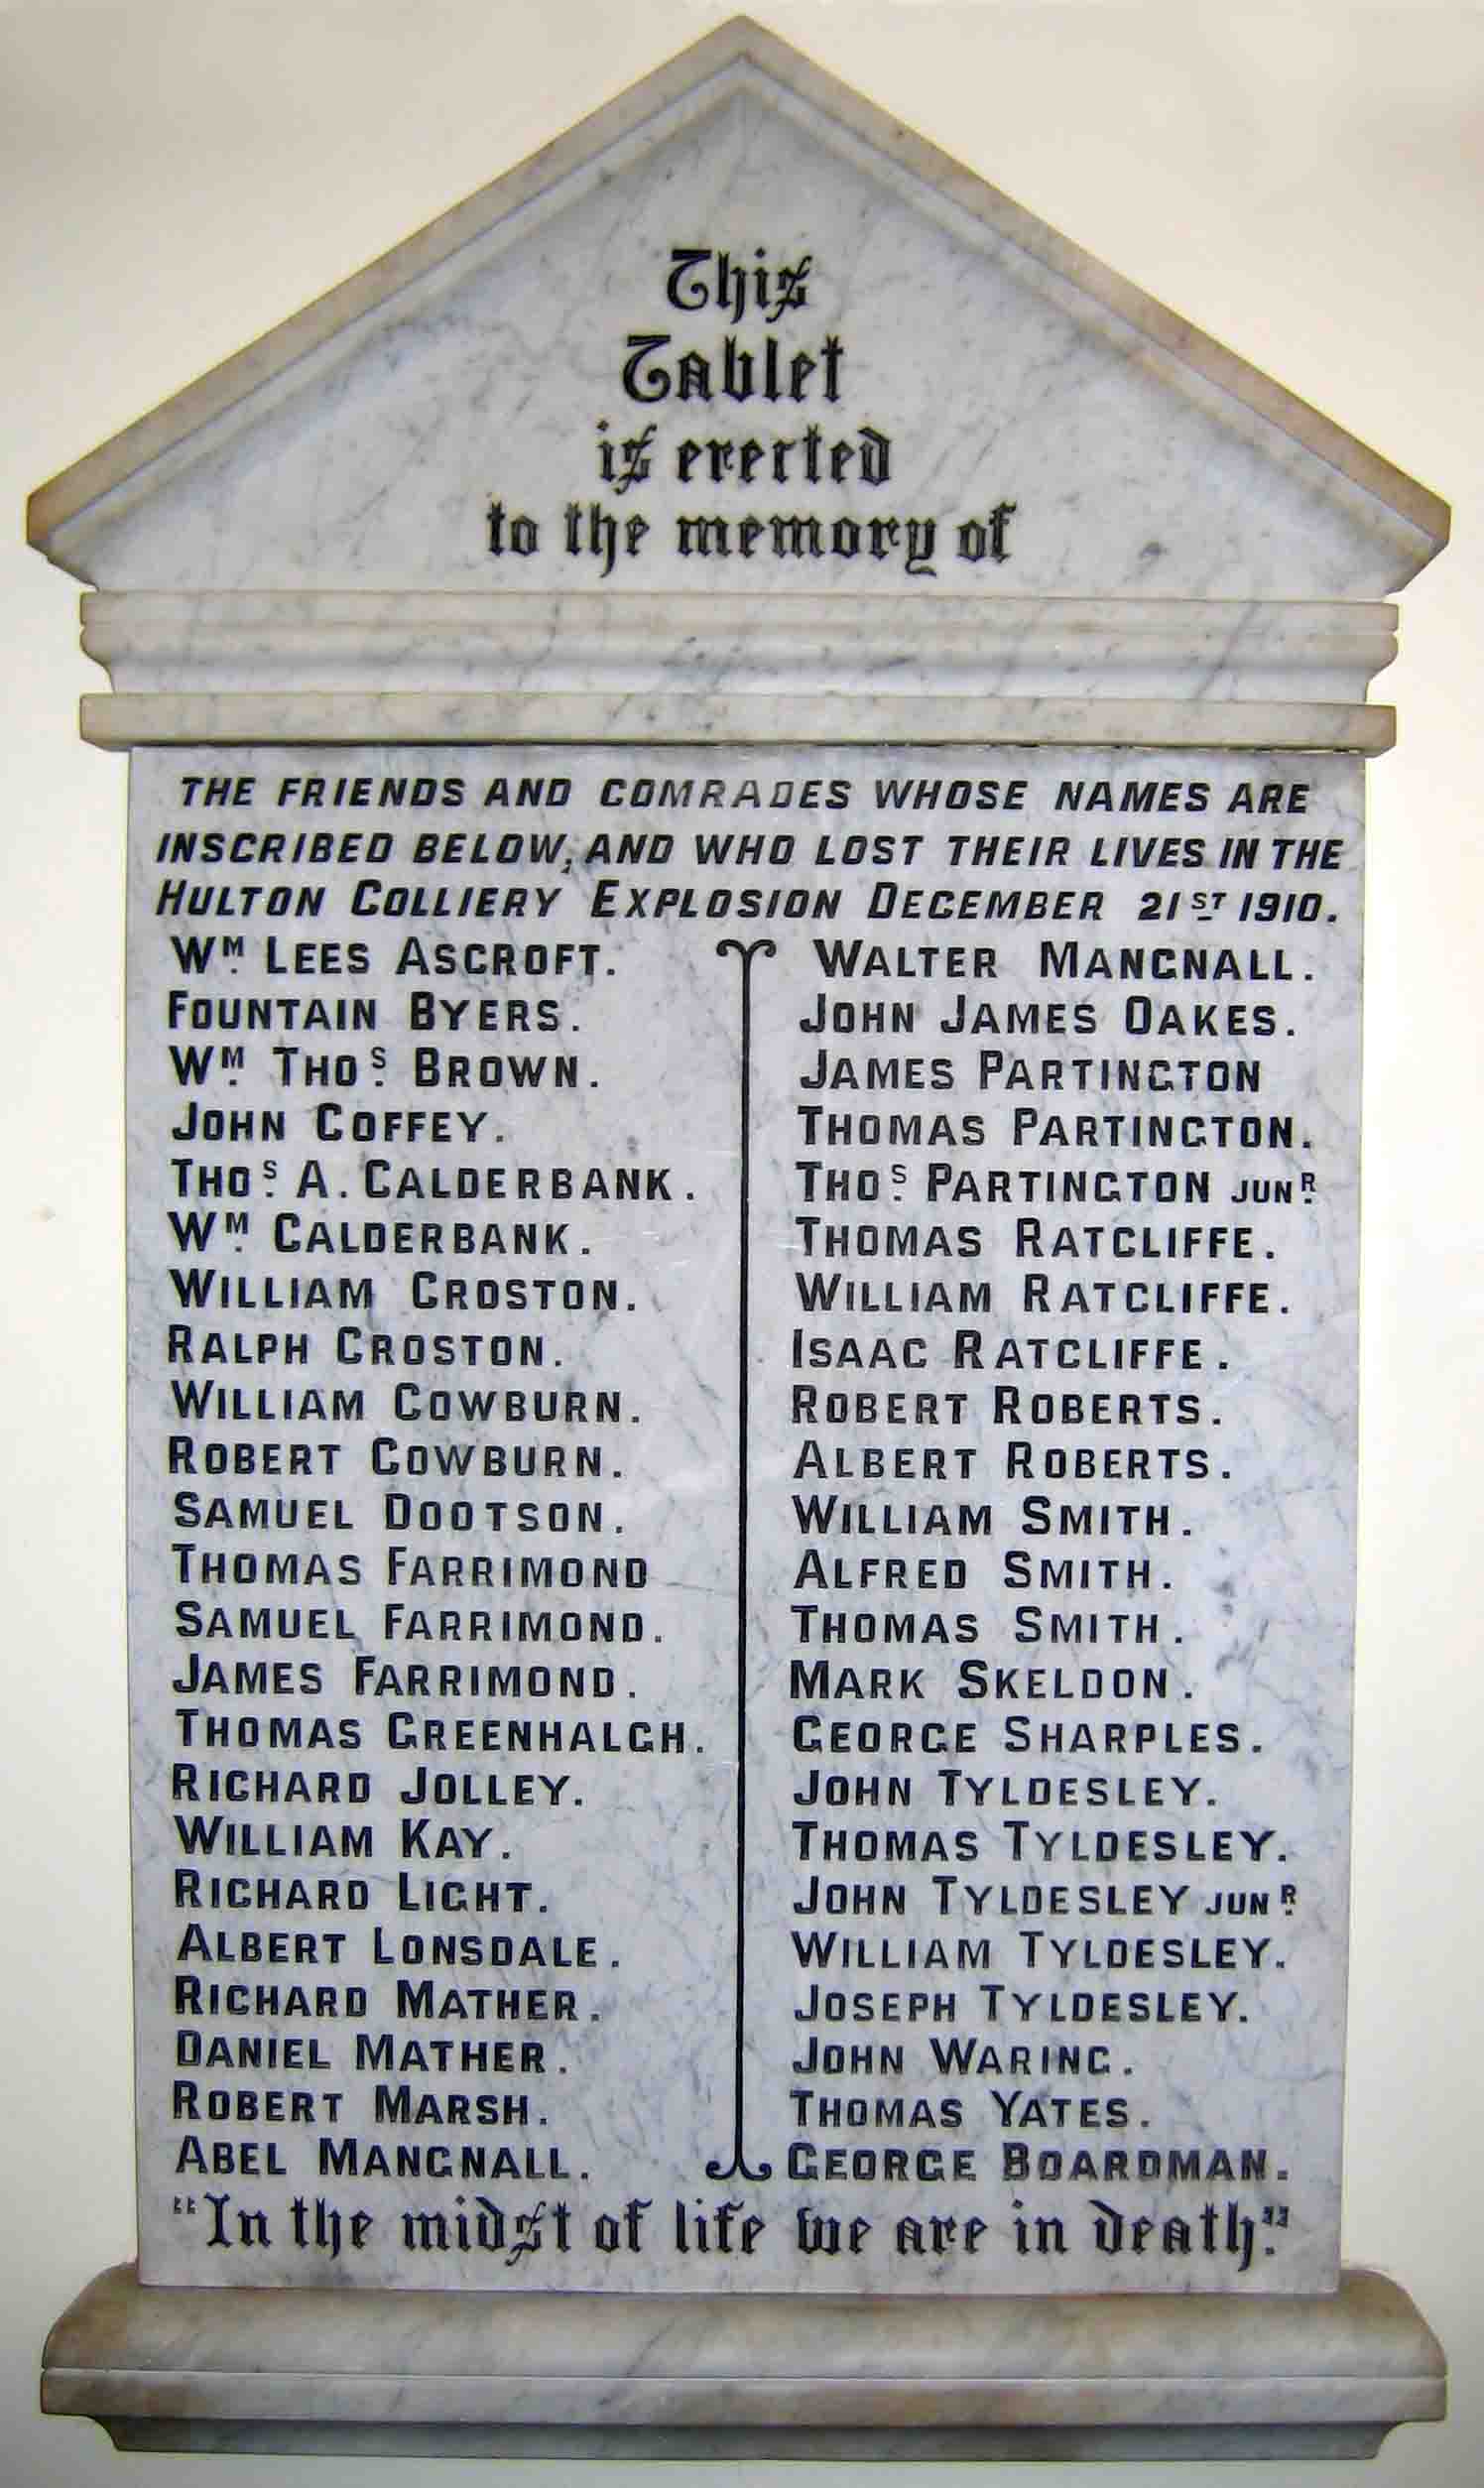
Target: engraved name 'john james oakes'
point(715, 1359)
point(744, 987)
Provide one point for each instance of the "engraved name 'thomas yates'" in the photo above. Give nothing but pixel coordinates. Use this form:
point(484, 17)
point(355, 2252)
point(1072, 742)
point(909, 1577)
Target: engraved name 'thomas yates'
point(444, 1277)
point(742, 1376)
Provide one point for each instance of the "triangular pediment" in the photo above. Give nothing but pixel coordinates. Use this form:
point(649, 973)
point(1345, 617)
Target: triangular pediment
point(739, 332)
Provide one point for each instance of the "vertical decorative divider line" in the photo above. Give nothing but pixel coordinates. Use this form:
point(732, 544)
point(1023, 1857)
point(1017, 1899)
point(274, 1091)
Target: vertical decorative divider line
point(737, 2166)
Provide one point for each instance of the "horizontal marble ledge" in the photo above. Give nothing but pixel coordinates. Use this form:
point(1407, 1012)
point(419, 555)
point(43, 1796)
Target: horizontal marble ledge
point(131, 719)
point(862, 2379)
point(928, 647)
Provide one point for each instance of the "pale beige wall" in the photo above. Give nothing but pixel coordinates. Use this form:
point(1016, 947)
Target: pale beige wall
point(1306, 181)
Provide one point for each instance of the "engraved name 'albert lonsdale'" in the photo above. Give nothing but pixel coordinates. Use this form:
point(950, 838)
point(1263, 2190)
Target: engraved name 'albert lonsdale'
point(742, 1438)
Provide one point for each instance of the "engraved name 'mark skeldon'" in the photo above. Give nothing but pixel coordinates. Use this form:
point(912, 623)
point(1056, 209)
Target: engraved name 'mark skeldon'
point(935, 1702)
point(714, 391)
point(741, 1380)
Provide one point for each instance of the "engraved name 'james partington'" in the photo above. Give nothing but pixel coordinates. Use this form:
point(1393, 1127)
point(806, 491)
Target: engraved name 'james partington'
point(739, 1487)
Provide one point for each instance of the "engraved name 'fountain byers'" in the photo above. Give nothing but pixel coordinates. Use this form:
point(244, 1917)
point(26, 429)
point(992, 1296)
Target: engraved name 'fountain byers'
point(744, 989)
point(744, 1454)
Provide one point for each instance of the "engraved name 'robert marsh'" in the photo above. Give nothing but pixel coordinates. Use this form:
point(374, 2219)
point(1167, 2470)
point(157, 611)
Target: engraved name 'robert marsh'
point(440, 1327)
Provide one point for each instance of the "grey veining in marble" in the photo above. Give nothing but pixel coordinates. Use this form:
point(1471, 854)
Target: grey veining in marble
point(1021, 1964)
point(1069, 2379)
point(744, 1033)
point(737, 308)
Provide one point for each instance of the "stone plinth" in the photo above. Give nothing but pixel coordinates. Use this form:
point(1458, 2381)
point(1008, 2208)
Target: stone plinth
point(526, 2376)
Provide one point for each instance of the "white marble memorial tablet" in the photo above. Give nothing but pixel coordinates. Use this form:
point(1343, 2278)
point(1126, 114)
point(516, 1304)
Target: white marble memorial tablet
point(744, 1004)
point(742, 1435)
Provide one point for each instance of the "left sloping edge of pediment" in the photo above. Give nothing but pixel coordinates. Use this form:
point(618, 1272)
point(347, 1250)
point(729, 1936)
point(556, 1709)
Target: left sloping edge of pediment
point(63, 513)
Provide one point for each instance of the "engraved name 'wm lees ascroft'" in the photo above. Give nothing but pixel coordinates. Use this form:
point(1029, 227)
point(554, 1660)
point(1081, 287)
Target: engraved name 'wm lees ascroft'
point(742, 1418)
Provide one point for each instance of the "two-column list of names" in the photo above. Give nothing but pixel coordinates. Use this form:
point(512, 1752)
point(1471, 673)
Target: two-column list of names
point(742, 1409)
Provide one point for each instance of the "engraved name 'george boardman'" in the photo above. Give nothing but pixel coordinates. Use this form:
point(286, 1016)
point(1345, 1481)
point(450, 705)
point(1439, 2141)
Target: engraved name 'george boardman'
point(745, 896)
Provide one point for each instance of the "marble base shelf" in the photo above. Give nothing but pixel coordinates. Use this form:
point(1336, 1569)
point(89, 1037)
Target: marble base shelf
point(1074, 2379)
